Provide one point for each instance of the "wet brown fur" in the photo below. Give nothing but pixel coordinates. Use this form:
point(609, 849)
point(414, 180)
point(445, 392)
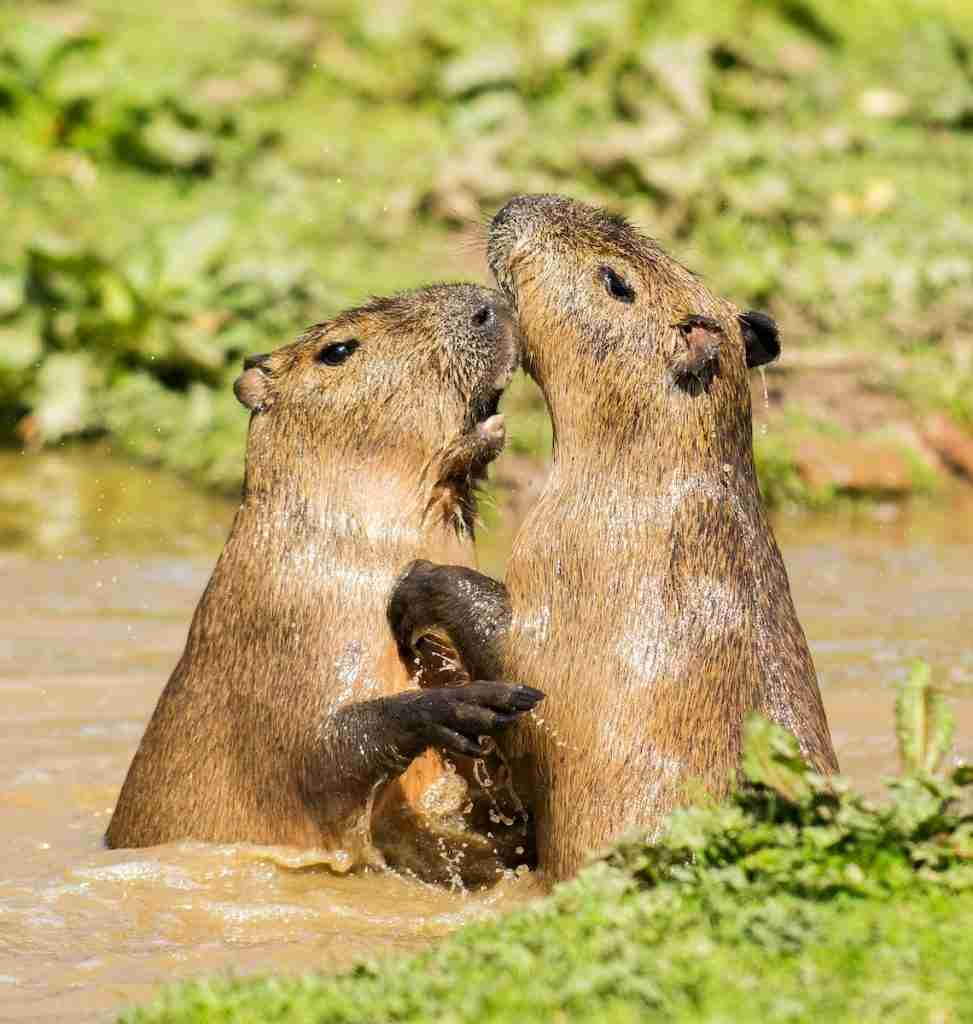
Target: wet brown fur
point(350, 473)
point(649, 598)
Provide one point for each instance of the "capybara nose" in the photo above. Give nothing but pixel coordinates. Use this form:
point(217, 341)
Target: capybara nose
point(503, 214)
point(249, 362)
point(520, 209)
point(518, 205)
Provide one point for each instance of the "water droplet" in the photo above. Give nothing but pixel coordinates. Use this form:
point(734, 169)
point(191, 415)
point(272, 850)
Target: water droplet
point(763, 381)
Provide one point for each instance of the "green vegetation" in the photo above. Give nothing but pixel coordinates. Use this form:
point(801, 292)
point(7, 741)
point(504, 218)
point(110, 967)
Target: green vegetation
point(180, 188)
point(796, 900)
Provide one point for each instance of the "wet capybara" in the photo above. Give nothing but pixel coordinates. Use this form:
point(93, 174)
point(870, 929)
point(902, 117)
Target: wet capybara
point(645, 593)
point(290, 712)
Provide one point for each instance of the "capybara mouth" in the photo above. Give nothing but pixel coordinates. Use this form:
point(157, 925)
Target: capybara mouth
point(486, 405)
point(503, 236)
point(504, 281)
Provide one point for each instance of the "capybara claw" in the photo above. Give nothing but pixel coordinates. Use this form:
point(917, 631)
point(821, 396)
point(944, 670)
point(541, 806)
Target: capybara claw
point(502, 696)
point(471, 710)
point(526, 698)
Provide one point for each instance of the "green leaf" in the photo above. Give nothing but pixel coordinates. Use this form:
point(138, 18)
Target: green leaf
point(924, 724)
point(12, 285)
point(20, 344)
point(196, 349)
point(115, 298)
point(483, 68)
point(36, 46)
point(59, 250)
point(771, 758)
point(62, 398)
point(191, 251)
point(166, 142)
point(76, 78)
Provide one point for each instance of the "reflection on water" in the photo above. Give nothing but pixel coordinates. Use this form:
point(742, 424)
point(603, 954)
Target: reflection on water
point(873, 597)
point(78, 503)
point(101, 568)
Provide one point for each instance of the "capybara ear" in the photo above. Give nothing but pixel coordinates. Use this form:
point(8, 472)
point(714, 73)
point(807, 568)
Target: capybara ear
point(760, 337)
point(252, 388)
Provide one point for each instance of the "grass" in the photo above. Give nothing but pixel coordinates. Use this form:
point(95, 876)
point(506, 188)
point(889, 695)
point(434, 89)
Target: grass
point(178, 191)
point(601, 951)
point(796, 900)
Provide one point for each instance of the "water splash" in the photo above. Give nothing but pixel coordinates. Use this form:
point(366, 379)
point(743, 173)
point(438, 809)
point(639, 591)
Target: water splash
point(543, 726)
point(763, 382)
point(501, 786)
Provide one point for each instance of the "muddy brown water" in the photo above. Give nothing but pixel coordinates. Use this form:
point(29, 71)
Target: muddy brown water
point(100, 568)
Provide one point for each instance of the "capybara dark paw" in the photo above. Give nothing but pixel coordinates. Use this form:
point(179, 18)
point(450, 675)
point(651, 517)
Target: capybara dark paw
point(524, 698)
point(417, 599)
point(410, 588)
point(455, 718)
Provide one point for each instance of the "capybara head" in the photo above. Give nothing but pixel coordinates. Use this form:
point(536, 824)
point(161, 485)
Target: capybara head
point(622, 339)
point(397, 379)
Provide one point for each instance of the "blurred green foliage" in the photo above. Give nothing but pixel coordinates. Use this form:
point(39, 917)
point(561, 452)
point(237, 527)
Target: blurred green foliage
point(180, 188)
point(796, 900)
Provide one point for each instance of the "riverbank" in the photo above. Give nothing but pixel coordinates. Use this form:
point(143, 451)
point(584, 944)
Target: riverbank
point(179, 192)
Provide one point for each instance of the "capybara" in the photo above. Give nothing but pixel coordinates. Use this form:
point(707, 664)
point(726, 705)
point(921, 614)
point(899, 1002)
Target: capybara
point(290, 718)
point(645, 594)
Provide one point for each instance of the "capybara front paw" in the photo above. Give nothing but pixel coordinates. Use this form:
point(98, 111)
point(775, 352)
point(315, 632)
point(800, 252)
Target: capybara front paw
point(455, 718)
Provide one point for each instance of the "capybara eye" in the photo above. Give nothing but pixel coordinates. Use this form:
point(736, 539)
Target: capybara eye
point(336, 354)
point(482, 316)
point(616, 285)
